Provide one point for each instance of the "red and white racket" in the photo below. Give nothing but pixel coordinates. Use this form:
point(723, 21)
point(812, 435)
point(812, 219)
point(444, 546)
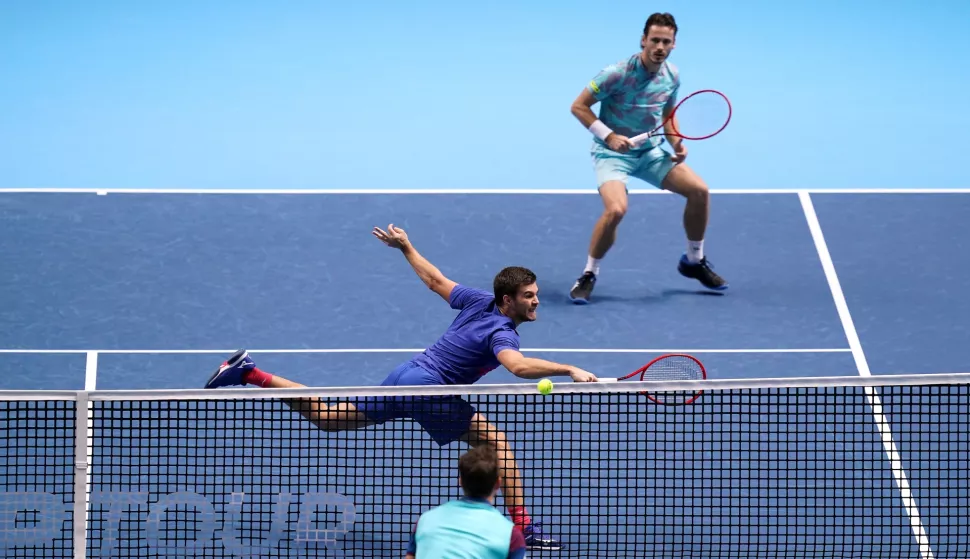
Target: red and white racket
point(701, 115)
point(670, 367)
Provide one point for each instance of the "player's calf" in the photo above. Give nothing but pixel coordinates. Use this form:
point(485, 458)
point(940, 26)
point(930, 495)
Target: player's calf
point(684, 181)
point(482, 432)
point(615, 204)
point(693, 263)
point(240, 369)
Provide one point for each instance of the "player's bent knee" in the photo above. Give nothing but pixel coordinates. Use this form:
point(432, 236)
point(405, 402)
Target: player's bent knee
point(614, 213)
point(699, 193)
point(483, 432)
point(614, 201)
point(682, 180)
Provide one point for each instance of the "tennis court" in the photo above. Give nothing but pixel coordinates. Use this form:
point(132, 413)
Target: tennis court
point(134, 291)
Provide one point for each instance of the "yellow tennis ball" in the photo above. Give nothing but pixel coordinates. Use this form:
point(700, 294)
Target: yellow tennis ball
point(545, 386)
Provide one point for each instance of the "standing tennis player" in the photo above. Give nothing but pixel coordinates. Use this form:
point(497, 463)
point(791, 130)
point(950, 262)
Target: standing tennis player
point(482, 336)
point(635, 96)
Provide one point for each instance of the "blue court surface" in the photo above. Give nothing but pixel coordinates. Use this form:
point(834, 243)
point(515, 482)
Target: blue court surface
point(164, 286)
point(141, 290)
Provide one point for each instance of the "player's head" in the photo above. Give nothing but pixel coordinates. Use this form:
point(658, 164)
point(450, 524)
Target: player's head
point(659, 37)
point(516, 293)
point(478, 472)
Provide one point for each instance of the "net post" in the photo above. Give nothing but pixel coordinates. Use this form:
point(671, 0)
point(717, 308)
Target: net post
point(79, 523)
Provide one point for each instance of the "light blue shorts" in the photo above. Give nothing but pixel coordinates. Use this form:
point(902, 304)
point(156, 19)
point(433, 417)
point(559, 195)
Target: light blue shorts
point(650, 165)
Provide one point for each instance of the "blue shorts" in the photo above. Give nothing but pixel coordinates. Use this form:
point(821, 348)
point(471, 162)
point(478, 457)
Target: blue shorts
point(444, 418)
point(649, 165)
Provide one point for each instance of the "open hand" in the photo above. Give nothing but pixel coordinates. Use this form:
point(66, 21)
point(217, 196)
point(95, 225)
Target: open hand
point(393, 237)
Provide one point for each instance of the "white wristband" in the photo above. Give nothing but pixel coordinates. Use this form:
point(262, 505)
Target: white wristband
point(600, 130)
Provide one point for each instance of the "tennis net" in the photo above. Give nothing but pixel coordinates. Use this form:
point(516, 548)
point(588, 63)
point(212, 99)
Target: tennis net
point(874, 467)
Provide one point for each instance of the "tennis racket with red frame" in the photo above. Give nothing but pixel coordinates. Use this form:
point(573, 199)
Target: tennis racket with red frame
point(670, 367)
point(699, 116)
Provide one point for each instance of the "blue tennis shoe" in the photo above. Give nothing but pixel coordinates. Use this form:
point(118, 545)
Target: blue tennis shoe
point(535, 540)
point(703, 272)
point(232, 371)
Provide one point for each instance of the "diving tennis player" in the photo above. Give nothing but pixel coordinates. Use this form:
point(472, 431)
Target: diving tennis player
point(636, 95)
point(482, 336)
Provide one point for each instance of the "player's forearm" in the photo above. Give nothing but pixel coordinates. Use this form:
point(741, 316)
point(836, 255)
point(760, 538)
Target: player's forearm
point(425, 270)
point(584, 114)
point(530, 368)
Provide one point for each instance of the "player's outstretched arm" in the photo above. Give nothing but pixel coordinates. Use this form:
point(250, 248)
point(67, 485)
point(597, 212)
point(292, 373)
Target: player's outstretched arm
point(395, 237)
point(532, 368)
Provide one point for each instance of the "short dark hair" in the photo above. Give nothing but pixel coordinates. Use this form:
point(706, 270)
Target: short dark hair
point(662, 20)
point(509, 280)
point(479, 471)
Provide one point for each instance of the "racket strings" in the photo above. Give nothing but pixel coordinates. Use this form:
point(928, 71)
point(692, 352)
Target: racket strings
point(701, 115)
point(674, 368)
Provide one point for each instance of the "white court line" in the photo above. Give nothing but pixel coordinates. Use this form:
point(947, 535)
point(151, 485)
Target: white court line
point(90, 385)
point(417, 350)
point(889, 445)
point(91, 371)
point(412, 191)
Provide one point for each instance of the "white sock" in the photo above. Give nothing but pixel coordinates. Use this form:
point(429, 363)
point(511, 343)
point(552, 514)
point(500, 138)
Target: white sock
point(695, 251)
point(592, 265)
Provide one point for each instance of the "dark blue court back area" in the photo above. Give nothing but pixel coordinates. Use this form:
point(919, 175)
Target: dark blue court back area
point(213, 272)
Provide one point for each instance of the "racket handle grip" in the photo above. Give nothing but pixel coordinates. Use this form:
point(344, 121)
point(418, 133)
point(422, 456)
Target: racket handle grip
point(639, 139)
point(607, 379)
